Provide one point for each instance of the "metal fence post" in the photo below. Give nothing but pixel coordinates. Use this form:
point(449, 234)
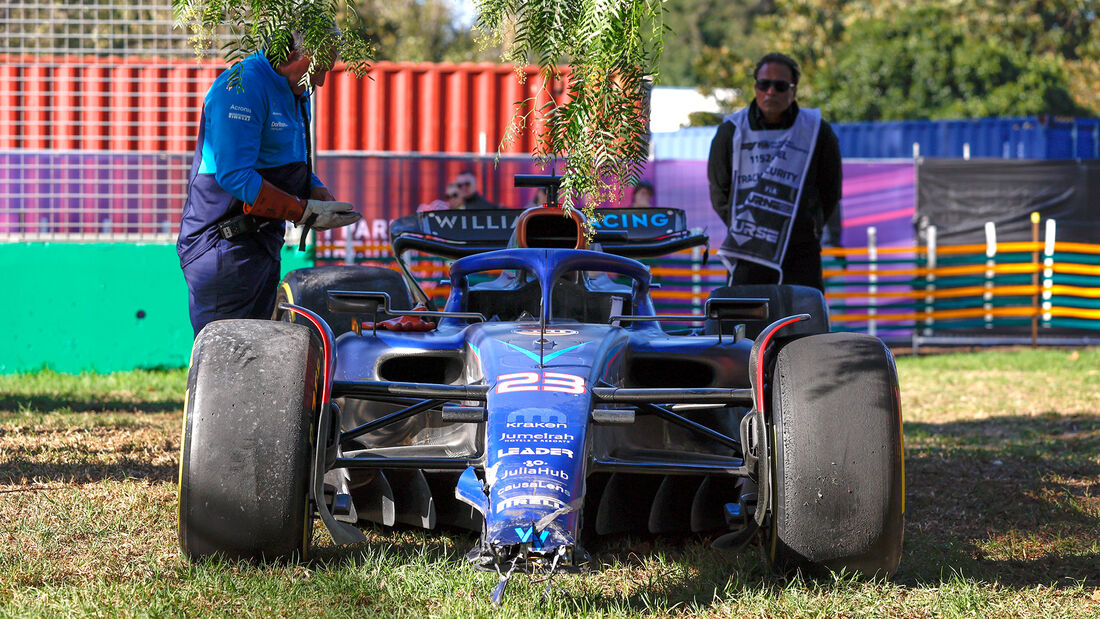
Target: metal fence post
point(1035, 279)
point(1048, 272)
point(930, 280)
point(872, 280)
point(696, 277)
point(990, 271)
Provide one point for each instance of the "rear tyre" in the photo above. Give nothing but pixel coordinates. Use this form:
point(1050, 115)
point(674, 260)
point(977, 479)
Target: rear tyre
point(251, 404)
point(309, 287)
point(783, 300)
point(837, 456)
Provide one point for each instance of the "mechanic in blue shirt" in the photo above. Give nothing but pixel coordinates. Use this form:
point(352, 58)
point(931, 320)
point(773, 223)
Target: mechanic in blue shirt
point(252, 172)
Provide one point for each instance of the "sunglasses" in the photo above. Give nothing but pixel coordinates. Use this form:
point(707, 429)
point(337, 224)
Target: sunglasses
point(464, 183)
point(779, 85)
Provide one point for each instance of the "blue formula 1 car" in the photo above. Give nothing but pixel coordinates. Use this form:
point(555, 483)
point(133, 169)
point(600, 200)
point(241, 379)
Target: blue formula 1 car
point(545, 404)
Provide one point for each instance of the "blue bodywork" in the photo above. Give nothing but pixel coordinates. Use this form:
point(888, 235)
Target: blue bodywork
point(542, 375)
point(547, 403)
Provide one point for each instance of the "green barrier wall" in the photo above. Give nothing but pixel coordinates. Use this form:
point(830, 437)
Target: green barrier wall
point(97, 307)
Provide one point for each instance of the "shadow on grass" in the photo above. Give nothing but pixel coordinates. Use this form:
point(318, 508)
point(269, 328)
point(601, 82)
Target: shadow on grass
point(647, 573)
point(17, 470)
point(405, 543)
point(1009, 500)
point(84, 404)
point(667, 572)
point(1014, 500)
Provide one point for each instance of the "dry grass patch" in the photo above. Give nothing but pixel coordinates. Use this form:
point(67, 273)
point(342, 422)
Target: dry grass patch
point(86, 496)
point(1003, 505)
point(994, 384)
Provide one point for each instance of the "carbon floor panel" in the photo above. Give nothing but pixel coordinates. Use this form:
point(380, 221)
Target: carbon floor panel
point(626, 503)
point(374, 500)
point(706, 507)
point(413, 501)
point(671, 511)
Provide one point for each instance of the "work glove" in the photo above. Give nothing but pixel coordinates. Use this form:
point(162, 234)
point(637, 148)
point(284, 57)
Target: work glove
point(328, 214)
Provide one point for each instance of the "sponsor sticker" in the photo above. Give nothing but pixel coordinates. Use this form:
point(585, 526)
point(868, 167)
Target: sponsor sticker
point(529, 501)
point(548, 332)
point(528, 437)
point(534, 470)
point(537, 484)
point(528, 534)
point(535, 419)
point(534, 451)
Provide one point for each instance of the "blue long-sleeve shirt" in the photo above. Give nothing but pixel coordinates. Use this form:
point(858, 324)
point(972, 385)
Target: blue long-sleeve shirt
point(253, 128)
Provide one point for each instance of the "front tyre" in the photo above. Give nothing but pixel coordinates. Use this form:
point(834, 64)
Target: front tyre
point(839, 476)
point(251, 403)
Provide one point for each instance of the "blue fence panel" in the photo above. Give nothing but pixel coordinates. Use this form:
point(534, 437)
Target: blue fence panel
point(1077, 139)
point(1001, 138)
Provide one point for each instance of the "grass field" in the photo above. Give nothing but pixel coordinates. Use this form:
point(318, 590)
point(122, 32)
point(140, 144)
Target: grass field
point(1002, 517)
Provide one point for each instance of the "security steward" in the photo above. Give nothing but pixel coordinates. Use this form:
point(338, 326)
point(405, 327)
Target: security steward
point(251, 173)
point(775, 178)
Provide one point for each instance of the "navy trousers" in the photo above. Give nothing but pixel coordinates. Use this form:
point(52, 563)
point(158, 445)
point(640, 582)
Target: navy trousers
point(233, 279)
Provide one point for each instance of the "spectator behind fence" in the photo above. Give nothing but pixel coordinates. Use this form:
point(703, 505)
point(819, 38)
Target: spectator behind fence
point(538, 198)
point(774, 173)
point(643, 195)
point(453, 196)
point(451, 200)
point(471, 199)
point(252, 172)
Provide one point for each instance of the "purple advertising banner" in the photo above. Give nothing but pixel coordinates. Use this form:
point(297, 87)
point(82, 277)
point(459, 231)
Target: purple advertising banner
point(874, 194)
point(143, 193)
point(100, 193)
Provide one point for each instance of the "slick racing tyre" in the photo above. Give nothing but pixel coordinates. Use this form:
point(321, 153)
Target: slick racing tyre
point(252, 393)
point(309, 288)
point(783, 300)
point(838, 494)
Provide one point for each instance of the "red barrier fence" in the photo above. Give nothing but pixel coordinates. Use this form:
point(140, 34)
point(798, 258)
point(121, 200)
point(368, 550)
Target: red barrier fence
point(98, 103)
point(429, 108)
point(127, 104)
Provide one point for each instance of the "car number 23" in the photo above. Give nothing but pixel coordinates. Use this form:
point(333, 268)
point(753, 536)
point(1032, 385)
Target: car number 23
point(544, 381)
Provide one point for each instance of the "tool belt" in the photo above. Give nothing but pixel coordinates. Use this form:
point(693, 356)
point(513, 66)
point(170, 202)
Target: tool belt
point(236, 226)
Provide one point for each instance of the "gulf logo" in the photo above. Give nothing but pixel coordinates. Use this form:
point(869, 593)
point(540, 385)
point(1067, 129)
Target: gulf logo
point(547, 332)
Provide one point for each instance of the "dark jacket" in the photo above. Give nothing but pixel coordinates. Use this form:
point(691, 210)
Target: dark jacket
point(820, 194)
point(478, 201)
